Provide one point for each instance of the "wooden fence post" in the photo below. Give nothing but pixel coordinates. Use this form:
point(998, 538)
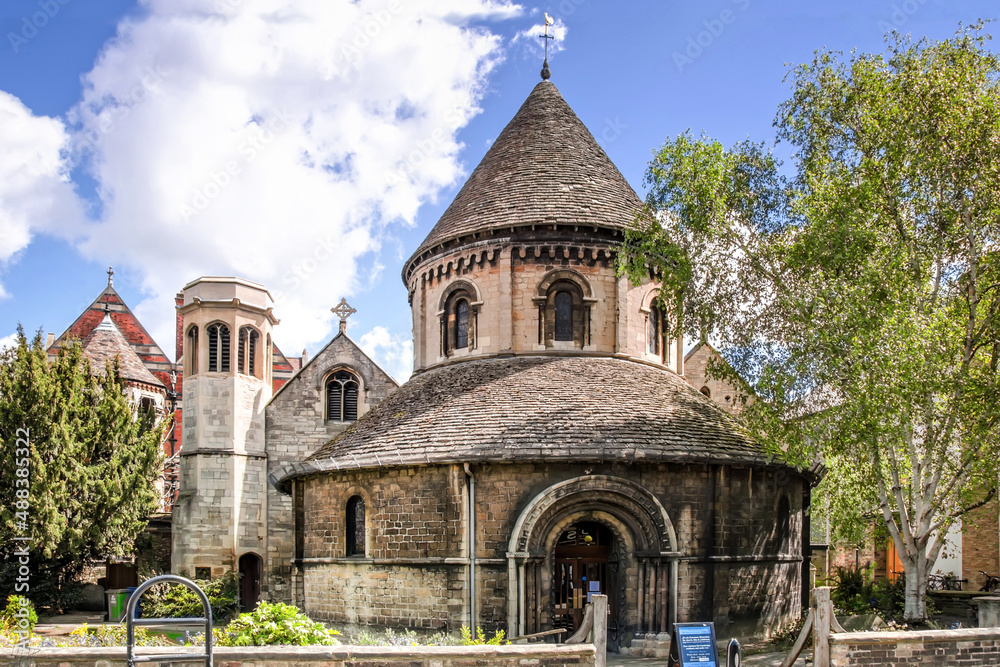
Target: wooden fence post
point(600, 603)
point(823, 616)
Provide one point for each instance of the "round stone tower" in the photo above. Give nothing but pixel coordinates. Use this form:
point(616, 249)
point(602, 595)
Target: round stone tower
point(522, 262)
point(548, 446)
point(219, 518)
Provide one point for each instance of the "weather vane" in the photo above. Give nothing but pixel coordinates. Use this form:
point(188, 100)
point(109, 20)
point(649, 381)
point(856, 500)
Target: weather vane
point(545, 65)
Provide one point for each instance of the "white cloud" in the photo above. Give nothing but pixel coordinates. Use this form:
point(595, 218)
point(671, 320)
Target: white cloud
point(35, 192)
point(392, 352)
point(274, 140)
point(8, 341)
point(531, 44)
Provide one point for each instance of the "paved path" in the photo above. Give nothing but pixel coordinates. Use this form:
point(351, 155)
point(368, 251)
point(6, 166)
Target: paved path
point(762, 660)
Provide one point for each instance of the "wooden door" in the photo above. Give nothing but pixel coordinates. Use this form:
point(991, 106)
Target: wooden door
point(249, 582)
point(581, 570)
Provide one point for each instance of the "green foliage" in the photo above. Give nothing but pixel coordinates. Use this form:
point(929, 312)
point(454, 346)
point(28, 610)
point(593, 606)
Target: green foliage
point(176, 601)
point(90, 637)
point(390, 637)
point(860, 298)
point(91, 463)
point(480, 639)
point(854, 592)
point(785, 638)
point(857, 593)
point(19, 608)
point(275, 623)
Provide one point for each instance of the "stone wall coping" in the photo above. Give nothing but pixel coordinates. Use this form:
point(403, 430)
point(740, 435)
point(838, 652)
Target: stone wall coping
point(908, 637)
point(306, 653)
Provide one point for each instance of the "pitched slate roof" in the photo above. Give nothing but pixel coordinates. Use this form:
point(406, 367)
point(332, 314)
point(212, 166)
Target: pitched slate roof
point(105, 343)
point(545, 168)
point(537, 408)
point(128, 325)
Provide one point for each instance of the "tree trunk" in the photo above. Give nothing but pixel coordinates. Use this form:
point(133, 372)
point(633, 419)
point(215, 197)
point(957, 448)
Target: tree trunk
point(915, 609)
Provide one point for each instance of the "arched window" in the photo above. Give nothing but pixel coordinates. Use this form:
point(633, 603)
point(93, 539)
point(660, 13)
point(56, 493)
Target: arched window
point(784, 526)
point(564, 316)
point(564, 300)
point(192, 350)
point(461, 324)
point(459, 309)
point(342, 397)
point(247, 354)
point(655, 320)
point(218, 348)
point(355, 527)
point(706, 391)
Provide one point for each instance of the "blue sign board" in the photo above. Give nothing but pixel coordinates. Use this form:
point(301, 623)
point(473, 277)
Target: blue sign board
point(693, 644)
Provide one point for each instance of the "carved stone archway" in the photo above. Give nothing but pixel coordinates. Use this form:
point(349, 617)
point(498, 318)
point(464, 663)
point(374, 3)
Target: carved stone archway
point(642, 529)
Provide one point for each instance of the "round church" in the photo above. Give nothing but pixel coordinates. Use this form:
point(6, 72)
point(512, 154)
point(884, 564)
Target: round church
point(550, 444)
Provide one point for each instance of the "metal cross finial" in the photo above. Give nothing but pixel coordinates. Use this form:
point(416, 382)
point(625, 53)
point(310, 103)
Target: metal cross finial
point(111, 274)
point(546, 73)
point(343, 310)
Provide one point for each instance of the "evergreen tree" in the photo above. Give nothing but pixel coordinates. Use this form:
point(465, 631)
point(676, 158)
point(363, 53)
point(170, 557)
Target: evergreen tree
point(90, 461)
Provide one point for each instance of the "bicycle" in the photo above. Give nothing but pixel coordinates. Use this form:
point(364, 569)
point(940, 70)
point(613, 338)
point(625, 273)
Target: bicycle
point(992, 582)
point(945, 582)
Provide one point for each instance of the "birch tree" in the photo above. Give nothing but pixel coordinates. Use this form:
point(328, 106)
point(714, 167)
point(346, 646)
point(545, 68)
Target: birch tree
point(860, 295)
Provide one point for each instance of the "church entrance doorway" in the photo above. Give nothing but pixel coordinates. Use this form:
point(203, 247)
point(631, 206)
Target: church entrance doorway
point(249, 567)
point(585, 565)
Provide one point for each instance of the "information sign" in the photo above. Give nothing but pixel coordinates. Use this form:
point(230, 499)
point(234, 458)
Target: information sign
point(693, 644)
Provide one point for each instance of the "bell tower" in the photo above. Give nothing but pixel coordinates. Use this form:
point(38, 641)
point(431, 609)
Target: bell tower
point(219, 519)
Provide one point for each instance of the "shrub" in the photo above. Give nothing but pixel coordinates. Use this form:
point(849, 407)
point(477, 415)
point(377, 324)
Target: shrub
point(177, 601)
point(275, 623)
point(480, 638)
point(390, 637)
point(110, 635)
point(854, 593)
point(19, 608)
point(890, 597)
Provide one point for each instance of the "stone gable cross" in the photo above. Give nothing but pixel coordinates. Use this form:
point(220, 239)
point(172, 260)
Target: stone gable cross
point(343, 310)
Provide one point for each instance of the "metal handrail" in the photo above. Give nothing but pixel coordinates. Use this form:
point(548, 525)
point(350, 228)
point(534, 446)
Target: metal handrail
point(131, 621)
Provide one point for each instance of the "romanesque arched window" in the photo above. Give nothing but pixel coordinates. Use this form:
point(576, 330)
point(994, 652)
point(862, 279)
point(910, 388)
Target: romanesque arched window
point(563, 315)
point(459, 310)
point(248, 354)
point(655, 326)
point(191, 350)
point(564, 303)
point(342, 397)
point(706, 391)
point(218, 348)
point(354, 528)
point(461, 324)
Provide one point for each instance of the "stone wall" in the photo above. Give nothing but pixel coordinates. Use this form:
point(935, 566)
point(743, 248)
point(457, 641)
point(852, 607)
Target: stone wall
point(725, 394)
point(219, 513)
point(973, 647)
point(543, 655)
point(295, 428)
point(734, 566)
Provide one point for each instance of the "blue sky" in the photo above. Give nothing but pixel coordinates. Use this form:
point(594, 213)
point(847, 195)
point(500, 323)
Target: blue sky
point(312, 145)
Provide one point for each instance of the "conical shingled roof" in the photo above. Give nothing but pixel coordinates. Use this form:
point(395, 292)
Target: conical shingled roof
point(105, 343)
point(545, 168)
